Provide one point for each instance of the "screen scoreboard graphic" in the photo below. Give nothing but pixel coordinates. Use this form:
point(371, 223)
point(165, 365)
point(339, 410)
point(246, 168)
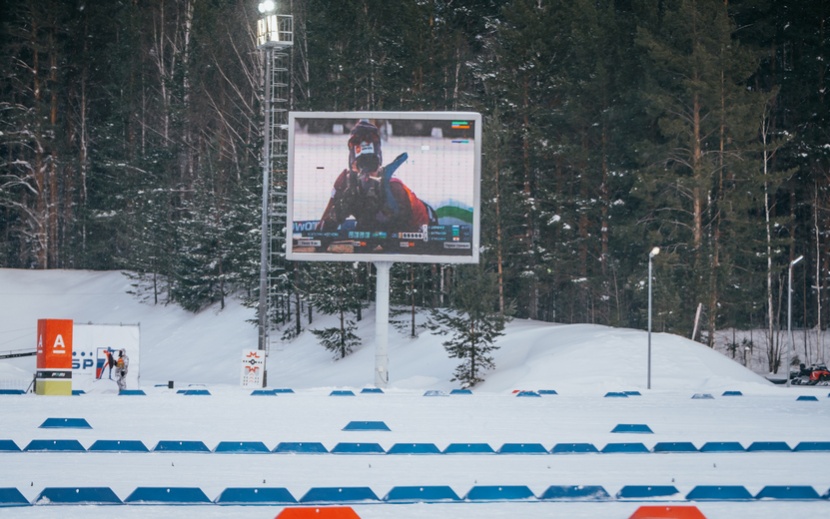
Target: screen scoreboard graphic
point(384, 186)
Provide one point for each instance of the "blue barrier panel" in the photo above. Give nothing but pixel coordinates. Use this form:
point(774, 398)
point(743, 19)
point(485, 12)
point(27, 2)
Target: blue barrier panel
point(646, 491)
point(55, 445)
point(807, 398)
point(616, 394)
point(633, 393)
point(372, 390)
point(718, 493)
point(499, 493)
point(118, 446)
point(12, 497)
point(575, 493)
point(414, 448)
point(366, 426)
point(167, 496)
point(732, 393)
point(8, 446)
point(342, 392)
point(131, 392)
point(528, 394)
point(78, 392)
point(435, 392)
point(461, 392)
point(674, 447)
point(812, 446)
point(523, 448)
point(624, 448)
point(301, 448)
point(357, 448)
point(769, 446)
point(263, 392)
point(573, 448)
point(338, 495)
point(12, 392)
point(241, 448)
point(77, 496)
point(548, 392)
point(787, 492)
point(255, 496)
point(65, 423)
point(638, 428)
point(469, 448)
point(280, 390)
point(722, 447)
point(428, 494)
point(180, 446)
point(702, 396)
point(193, 392)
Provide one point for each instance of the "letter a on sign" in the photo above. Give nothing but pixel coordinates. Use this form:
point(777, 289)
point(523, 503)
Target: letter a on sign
point(54, 344)
point(59, 348)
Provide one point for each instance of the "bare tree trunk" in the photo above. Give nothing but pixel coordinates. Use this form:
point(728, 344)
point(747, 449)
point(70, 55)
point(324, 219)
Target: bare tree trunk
point(499, 238)
point(412, 297)
point(533, 303)
point(53, 205)
point(772, 345)
point(41, 239)
point(819, 349)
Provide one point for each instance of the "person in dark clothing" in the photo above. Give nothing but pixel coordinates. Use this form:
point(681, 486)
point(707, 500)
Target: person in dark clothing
point(367, 192)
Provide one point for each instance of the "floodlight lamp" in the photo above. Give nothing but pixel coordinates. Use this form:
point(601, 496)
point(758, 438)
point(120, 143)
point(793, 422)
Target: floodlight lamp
point(796, 260)
point(654, 252)
point(267, 6)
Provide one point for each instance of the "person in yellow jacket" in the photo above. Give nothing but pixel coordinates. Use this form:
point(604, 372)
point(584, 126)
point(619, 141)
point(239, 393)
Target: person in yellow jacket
point(121, 367)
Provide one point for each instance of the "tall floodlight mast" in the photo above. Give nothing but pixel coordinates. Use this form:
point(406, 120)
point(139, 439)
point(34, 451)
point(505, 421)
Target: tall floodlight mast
point(275, 37)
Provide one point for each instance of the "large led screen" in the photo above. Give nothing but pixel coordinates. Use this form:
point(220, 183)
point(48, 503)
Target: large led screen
point(384, 186)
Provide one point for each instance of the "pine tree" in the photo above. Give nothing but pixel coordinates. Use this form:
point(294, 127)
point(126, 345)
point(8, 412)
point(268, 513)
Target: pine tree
point(474, 323)
point(696, 93)
point(412, 286)
point(519, 77)
point(332, 289)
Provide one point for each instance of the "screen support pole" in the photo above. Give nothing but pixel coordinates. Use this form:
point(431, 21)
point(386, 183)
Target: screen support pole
point(382, 323)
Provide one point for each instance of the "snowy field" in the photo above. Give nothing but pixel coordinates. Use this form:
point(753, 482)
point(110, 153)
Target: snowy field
point(582, 363)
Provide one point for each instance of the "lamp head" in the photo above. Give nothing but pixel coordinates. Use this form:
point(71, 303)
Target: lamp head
point(654, 252)
point(267, 6)
point(796, 260)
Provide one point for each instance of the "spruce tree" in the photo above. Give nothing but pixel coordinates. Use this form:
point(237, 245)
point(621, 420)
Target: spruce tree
point(332, 289)
point(473, 323)
point(695, 92)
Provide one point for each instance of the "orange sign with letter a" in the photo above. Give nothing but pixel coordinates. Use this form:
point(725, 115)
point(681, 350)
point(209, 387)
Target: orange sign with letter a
point(54, 357)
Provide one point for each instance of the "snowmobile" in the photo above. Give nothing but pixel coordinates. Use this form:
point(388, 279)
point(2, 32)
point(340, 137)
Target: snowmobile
point(816, 374)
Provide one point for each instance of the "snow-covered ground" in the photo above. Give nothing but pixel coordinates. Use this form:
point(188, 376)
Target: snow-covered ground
point(580, 362)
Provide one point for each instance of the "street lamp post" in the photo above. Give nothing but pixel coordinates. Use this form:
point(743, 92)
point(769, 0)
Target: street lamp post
point(654, 252)
point(790, 315)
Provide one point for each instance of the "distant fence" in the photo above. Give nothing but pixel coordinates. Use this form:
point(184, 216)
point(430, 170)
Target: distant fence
point(15, 384)
point(11, 354)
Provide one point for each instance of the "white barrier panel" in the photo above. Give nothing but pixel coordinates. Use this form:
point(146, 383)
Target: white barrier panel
point(95, 355)
point(253, 368)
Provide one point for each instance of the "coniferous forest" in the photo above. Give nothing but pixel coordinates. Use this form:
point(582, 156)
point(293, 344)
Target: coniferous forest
point(131, 130)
